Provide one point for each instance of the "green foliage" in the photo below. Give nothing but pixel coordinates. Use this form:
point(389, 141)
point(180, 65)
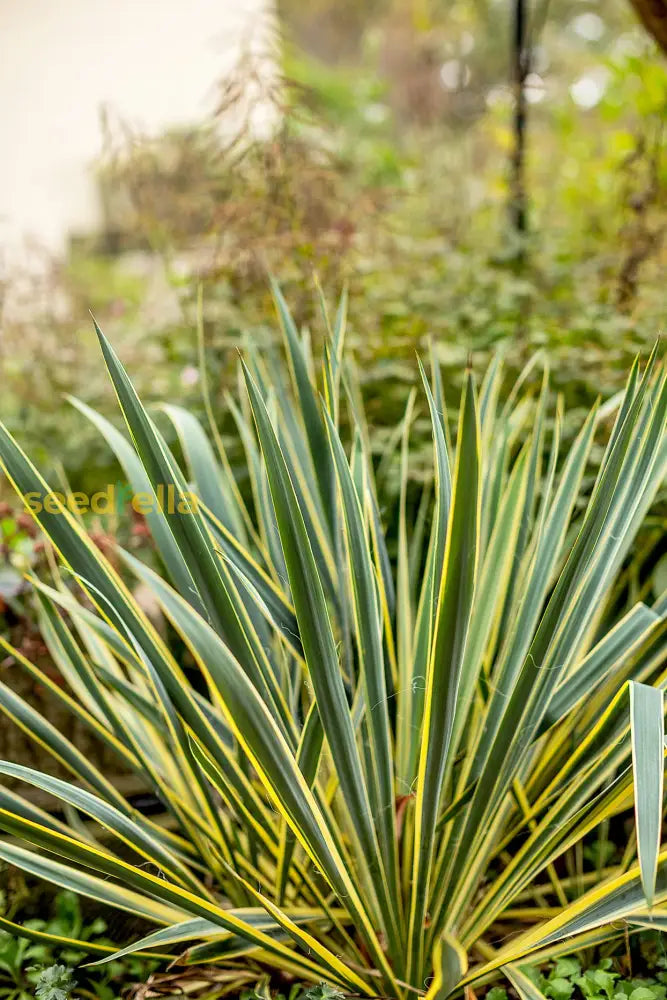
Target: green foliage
point(497, 993)
point(262, 990)
point(323, 991)
point(14, 978)
point(376, 758)
point(55, 983)
point(413, 218)
point(566, 978)
point(19, 552)
point(37, 956)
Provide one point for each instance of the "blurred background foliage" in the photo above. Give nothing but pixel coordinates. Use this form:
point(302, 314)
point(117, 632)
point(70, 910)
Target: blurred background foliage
point(387, 171)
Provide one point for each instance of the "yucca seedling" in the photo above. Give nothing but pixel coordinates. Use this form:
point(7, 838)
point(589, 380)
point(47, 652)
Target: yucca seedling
point(378, 765)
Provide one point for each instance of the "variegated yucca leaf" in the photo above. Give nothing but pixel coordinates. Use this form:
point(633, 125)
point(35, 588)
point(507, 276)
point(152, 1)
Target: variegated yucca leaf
point(399, 721)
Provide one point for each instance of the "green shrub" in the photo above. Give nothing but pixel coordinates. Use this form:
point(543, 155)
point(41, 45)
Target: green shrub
point(373, 765)
point(413, 218)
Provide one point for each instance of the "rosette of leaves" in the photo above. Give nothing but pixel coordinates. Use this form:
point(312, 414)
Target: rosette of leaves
point(381, 756)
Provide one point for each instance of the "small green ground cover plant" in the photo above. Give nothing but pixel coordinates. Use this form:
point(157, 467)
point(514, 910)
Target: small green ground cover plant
point(39, 962)
point(55, 983)
point(569, 978)
point(376, 763)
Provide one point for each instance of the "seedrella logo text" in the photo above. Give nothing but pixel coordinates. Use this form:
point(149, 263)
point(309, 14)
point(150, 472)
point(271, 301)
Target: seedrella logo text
point(113, 499)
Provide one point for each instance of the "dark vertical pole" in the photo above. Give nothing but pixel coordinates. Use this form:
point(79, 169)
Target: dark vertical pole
point(520, 69)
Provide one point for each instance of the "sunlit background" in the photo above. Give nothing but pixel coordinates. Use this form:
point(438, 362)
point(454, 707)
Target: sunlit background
point(66, 66)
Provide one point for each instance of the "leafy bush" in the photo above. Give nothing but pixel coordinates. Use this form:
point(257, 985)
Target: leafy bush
point(414, 220)
point(371, 768)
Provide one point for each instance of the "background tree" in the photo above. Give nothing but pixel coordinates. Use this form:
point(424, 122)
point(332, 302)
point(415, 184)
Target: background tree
point(653, 15)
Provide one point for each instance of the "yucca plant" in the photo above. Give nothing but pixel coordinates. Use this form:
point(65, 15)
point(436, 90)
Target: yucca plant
point(385, 751)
